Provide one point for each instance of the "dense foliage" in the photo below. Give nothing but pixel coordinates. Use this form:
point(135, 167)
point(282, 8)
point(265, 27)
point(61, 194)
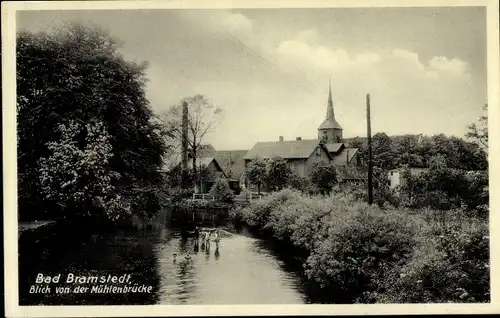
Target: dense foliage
point(278, 173)
point(82, 116)
point(441, 187)
point(257, 173)
point(362, 253)
point(478, 132)
point(324, 176)
point(221, 191)
point(417, 151)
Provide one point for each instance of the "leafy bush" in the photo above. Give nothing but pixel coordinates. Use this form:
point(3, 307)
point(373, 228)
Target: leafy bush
point(362, 245)
point(452, 264)
point(324, 176)
point(221, 191)
point(367, 254)
point(178, 194)
point(257, 214)
point(299, 183)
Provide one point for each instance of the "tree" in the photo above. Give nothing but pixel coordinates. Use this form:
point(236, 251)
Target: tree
point(203, 118)
point(75, 76)
point(74, 177)
point(383, 152)
point(406, 148)
point(324, 176)
point(221, 191)
point(478, 132)
point(278, 173)
point(257, 173)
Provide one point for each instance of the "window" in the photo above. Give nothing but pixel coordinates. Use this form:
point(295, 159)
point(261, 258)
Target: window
point(318, 151)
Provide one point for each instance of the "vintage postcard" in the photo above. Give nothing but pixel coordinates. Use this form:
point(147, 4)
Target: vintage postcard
point(192, 158)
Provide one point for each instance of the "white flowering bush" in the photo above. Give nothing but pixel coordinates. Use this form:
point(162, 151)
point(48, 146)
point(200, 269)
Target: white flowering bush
point(77, 173)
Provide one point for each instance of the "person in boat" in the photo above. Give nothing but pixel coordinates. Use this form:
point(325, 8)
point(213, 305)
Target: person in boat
point(175, 257)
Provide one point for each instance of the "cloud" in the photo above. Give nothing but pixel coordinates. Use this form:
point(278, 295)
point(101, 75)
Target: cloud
point(237, 22)
point(419, 93)
point(454, 66)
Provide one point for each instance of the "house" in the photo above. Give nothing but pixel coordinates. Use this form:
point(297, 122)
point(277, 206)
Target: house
point(211, 171)
point(233, 164)
point(300, 154)
point(396, 176)
point(209, 165)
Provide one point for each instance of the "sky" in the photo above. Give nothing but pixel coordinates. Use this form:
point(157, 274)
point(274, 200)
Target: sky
point(269, 69)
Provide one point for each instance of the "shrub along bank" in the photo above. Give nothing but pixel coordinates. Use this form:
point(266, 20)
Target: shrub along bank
point(367, 254)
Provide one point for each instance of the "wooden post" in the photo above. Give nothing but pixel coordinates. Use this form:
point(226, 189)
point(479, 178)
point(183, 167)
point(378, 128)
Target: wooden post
point(370, 164)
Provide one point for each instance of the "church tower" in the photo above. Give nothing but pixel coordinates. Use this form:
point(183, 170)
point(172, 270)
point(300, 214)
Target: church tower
point(330, 131)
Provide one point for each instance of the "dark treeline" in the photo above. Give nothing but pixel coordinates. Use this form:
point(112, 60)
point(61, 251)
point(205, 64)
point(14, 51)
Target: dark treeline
point(88, 141)
point(390, 152)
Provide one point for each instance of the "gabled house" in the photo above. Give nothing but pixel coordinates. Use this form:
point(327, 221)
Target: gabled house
point(205, 161)
point(233, 164)
point(301, 155)
point(212, 171)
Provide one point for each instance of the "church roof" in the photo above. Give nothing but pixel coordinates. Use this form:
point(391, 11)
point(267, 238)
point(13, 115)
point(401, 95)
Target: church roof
point(330, 121)
point(293, 149)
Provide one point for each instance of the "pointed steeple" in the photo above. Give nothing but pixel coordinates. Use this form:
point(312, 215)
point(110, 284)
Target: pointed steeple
point(329, 110)
point(330, 121)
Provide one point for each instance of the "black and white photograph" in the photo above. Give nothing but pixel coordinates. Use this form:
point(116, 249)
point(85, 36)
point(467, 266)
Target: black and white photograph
point(166, 154)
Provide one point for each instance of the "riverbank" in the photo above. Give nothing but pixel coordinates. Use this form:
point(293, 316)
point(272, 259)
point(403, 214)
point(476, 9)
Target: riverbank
point(370, 255)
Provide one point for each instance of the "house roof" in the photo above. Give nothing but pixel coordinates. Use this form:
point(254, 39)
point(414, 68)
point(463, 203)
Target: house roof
point(345, 156)
point(232, 162)
point(294, 149)
point(334, 147)
point(203, 161)
point(205, 151)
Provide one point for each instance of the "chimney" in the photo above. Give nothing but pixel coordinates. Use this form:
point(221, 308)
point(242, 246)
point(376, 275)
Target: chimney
point(281, 138)
point(299, 138)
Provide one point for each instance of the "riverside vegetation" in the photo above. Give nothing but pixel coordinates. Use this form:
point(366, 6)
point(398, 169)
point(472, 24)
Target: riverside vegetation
point(369, 254)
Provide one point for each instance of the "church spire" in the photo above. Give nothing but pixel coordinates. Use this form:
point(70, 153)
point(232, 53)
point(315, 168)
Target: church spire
point(330, 128)
point(329, 110)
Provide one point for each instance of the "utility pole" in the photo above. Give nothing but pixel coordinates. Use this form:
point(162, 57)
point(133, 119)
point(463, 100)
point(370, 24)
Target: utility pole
point(370, 164)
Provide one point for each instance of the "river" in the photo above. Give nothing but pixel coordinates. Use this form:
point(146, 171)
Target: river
point(243, 270)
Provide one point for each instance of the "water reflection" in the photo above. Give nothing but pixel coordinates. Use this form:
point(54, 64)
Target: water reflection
point(247, 273)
